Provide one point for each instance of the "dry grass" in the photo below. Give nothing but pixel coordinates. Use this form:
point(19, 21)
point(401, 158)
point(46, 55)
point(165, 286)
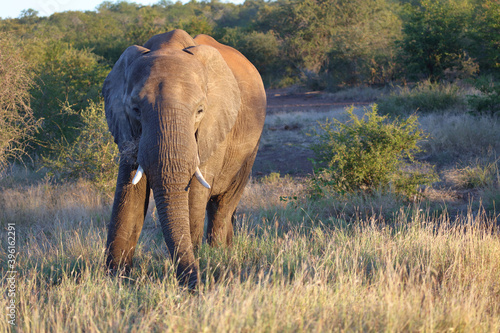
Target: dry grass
point(464, 148)
point(309, 118)
point(288, 272)
point(270, 191)
point(479, 174)
point(44, 203)
point(425, 97)
point(359, 93)
point(460, 136)
point(452, 136)
point(352, 263)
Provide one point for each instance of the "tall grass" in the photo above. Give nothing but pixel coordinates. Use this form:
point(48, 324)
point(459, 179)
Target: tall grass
point(455, 136)
point(424, 97)
point(357, 93)
point(286, 272)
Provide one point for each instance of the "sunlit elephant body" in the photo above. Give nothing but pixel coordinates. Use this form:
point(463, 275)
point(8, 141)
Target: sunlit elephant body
point(175, 106)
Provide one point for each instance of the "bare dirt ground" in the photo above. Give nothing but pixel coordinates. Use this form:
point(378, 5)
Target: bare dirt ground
point(291, 115)
point(285, 145)
point(289, 100)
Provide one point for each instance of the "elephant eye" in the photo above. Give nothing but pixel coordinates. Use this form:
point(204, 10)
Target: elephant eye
point(200, 109)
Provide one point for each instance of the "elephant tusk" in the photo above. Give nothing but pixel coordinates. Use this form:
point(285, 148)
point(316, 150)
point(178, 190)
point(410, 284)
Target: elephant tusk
point(202, 180)
point(138, 175)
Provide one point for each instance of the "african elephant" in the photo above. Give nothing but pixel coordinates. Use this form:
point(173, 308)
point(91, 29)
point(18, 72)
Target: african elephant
point(181, 108)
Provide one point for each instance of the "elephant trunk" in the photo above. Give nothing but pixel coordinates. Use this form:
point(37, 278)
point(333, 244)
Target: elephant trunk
point(173, 212)
point(168, 154)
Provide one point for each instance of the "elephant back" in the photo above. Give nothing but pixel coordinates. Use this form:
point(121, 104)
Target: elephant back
point(175, 39)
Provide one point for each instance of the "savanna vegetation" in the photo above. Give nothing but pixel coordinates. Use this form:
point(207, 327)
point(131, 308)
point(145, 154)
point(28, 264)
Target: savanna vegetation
point(394, 229)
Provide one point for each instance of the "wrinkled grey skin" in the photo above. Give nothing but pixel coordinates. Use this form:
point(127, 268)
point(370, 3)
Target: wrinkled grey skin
point(183, 103)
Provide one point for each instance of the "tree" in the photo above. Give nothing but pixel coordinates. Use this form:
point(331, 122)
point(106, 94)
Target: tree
point(93, 155)
point(434, 36)
point(67, 79)
point(262, 49)
point(336, 42)
point(485, 32)
point(362, 45)
point(17, 123)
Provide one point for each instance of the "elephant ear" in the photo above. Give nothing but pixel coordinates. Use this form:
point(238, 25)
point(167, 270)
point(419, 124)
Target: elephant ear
point(120, 125)
point(223, 100)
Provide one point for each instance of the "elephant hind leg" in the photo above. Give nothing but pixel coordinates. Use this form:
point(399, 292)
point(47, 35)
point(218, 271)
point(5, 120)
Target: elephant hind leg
point(220, 222)
point(221, 208)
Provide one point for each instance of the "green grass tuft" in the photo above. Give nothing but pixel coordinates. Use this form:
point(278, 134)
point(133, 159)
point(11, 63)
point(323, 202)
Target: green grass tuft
point(425, 97)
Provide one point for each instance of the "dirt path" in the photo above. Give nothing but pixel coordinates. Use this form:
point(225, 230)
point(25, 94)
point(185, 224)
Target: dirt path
point(284, 100)
point(290, 116)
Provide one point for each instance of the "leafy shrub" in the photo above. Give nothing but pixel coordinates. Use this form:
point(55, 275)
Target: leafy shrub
point(93, 155)
point(271, 178)
point(368, 154)
point(480, 175)
point(426, 96)
point(17, 123)
point(196, 25)
point(67, 78)
point(489, 99)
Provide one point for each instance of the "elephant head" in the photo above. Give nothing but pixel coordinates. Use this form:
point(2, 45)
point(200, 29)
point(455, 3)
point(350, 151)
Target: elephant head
point(174, 102)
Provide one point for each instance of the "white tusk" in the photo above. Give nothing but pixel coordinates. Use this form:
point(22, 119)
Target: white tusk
point(138, 175)
point(202, 180)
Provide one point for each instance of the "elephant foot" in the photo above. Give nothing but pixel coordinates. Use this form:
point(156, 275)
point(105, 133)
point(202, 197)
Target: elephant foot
point(119, 266)
point(188, 278)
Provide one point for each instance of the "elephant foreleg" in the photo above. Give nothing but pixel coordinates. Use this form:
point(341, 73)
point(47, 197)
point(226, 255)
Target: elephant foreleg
point(198, 197)
point(127, 217)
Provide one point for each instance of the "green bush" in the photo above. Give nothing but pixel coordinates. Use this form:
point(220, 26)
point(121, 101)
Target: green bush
point(434, 36)
point(17, 124)
point(93, 155)
point(426, 96)
point(67, 78)
point(488, 102)
point(483, 174)
point(484, 33)
point(368, 154)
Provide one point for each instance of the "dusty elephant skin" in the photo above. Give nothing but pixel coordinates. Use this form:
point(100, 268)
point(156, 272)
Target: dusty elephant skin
point(187, 106)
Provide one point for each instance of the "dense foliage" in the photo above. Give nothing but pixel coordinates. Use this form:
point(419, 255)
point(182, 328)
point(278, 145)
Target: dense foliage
point(92, 155)
point(325, 44)
point(369, 154)
point(17, 123)
point(68, 79)
point(489, 100)
point(328, 42)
